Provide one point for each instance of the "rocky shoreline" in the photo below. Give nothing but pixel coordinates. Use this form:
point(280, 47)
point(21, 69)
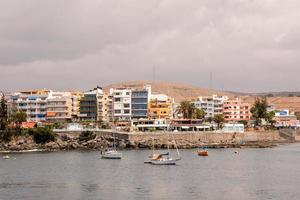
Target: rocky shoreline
point(146, 141)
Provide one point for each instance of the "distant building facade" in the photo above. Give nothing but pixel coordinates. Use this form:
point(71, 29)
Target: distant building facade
point(211, 105)
point(150, 124)
point(105, 105)
point(160, 107)
point(139, 102)
point(233, 128)
point(236, 110)
point(59, 106)
point(121, 104)
point(89, 105)
point(31, 102)
point(283, 118)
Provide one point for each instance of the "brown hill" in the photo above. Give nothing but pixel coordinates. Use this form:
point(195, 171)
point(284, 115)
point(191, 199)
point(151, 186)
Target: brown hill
point(181, 92)
point(291, 103)
point(176, 90)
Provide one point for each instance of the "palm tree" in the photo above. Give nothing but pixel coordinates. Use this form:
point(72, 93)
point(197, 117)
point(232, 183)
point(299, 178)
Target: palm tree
point(189, 110)
point(199, 114)
point(184, 109)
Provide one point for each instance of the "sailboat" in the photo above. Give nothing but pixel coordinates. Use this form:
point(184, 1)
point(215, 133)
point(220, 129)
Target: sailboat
point(112, 153)
point(6, 157)
point(164, 158)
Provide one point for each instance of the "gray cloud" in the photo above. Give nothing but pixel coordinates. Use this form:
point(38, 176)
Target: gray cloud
point(249, 45)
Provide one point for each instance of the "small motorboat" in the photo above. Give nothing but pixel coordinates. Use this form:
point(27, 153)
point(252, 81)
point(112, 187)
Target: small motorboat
point(203, 153)
point(111, 154)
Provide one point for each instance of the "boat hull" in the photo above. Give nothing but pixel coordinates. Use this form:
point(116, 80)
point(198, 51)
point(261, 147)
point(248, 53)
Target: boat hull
point(112, 156)
point(164, 162)
point(202, 153)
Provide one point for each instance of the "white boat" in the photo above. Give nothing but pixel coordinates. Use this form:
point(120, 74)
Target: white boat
point(163, 159)
point(6, 157)
point(111, 154)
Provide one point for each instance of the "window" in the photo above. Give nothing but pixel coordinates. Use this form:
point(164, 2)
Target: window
point(139, 106)
point(126, 111)
point(117, 111)
point(117, 99)
point(126, 105)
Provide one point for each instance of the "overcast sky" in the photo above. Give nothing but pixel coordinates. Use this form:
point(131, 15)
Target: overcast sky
point(248, 45)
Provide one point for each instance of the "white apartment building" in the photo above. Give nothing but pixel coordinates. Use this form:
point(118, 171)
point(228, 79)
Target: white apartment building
point(121, 103)
point(45, 105)
point(211, 105)
point(32, 102)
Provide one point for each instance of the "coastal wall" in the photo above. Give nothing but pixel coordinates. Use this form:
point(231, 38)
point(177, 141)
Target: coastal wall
point(196, 139)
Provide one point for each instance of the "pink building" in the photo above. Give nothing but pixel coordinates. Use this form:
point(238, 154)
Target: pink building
point(236, 110)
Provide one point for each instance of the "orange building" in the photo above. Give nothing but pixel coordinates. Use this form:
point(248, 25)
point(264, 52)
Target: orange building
point(236, 110)
point(160, 107)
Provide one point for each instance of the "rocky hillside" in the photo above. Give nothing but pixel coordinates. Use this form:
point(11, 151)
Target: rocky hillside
point(176, 90)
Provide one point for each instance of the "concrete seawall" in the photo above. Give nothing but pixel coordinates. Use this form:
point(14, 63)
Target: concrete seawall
point(196, 139)
point(205, 137)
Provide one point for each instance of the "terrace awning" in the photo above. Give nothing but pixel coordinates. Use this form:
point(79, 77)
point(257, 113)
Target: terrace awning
point(185, 127)
point(51, 114)
point(202, 127)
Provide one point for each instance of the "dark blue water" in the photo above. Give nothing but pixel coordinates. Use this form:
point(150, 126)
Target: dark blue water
point(251, 174)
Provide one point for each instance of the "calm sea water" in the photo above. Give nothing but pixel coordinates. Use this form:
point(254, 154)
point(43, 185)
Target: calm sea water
point(251, 174)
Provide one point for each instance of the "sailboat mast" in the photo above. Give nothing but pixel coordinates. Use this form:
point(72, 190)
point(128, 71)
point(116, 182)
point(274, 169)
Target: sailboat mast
point(175, 145)
point(114, 141)
point(152, 146)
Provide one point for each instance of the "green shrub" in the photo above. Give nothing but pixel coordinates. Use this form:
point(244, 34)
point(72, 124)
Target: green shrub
point(6, 135)
point(86, 136)
point(42, 135)
point(105, 126)
point(152, 129)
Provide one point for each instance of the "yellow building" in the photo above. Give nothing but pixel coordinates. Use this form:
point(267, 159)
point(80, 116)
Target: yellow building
point(160, 107)
point(105, 104)
point(76, 97)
